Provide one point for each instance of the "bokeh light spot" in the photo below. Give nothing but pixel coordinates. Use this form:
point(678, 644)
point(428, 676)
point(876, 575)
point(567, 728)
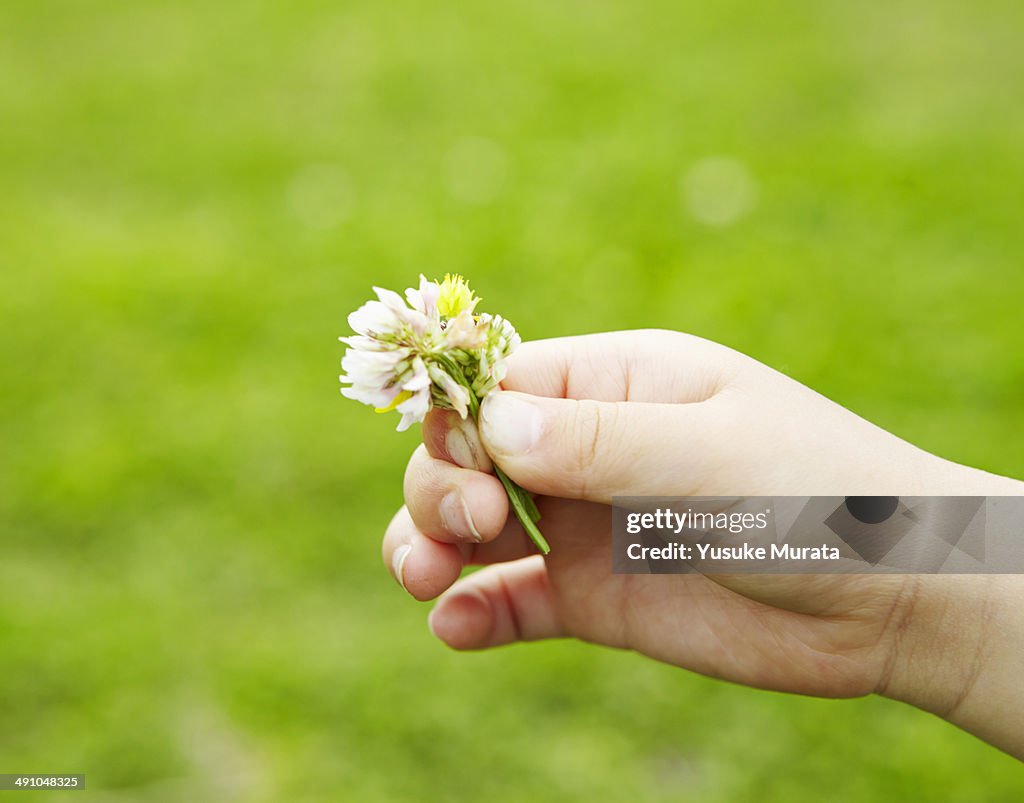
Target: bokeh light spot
point(718, 191)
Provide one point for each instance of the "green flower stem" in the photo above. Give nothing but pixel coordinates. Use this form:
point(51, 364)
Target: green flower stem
point(525, 510)
point(522, 503)
point(531, 506)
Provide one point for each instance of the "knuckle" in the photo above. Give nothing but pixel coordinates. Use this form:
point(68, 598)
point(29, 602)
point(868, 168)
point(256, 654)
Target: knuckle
point(593, 427)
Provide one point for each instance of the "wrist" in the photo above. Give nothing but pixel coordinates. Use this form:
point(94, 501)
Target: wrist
point(956, 652)
point(933, 640)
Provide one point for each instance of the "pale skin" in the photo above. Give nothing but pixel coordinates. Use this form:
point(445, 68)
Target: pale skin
point(661, 413)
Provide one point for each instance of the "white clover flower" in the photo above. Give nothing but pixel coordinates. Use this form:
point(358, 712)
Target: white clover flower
point(432, 350)
point(428, 350)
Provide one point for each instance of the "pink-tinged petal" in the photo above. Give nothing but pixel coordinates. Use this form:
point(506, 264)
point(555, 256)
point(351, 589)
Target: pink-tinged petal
point(386, 359)
point(457, 395)
point(425, 298)
point(374, 319)
point(375, 397)
point(390, 298)
point(413, 318)
point(407, 421)
point(364, 343)
point(414, 409)
point(498, 372)
point(417, 321)
point(460, 400)
point(414, 299)
point(462, 332)
point(420, 378)
point(372, 367)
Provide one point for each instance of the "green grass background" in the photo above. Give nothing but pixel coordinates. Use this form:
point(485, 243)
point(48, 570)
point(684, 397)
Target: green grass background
point(193, 195)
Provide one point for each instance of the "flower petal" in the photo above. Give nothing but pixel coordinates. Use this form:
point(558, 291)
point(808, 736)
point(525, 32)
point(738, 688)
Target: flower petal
point(420, 378)
point(374, 319)
point(425, 298)
point(414, 409)
point(462, 332)
point(455, 393)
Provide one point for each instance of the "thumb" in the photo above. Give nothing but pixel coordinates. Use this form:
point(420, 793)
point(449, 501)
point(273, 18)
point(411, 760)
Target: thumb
point(583, 449)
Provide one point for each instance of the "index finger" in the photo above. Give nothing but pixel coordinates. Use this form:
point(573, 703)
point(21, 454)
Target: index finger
point(646, 365)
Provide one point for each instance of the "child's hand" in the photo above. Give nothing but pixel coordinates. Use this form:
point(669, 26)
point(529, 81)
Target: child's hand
point(654, 413)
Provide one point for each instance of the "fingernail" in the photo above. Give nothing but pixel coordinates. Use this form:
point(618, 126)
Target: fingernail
point(456, 517)
point(463, 444)
point(510, 425)
point(398, 564)
point(458, 447)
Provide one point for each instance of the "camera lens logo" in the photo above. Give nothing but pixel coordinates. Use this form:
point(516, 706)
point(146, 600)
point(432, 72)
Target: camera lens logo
point(871, 525)
point(914, 535)
point(872, 509)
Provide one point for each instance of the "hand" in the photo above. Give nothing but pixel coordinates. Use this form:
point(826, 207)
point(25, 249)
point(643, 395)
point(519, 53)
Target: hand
point(661, 413)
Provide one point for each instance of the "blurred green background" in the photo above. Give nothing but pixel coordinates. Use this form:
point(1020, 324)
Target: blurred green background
point(193, 195)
